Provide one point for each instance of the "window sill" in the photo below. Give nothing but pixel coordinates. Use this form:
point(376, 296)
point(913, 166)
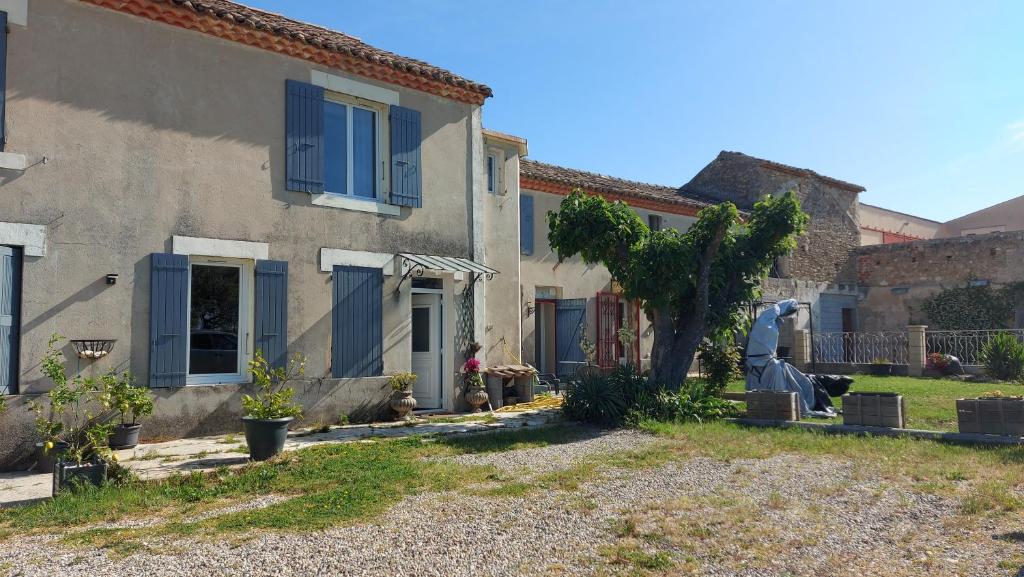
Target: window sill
point(206, 381)
point(356, 204)
point(13, 161)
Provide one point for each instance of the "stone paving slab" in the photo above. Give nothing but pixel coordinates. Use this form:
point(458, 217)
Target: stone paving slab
point(182, 456)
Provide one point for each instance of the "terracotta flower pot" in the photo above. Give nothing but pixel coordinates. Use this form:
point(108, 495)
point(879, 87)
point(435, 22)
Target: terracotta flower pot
point(476, 396)
point(402, 402)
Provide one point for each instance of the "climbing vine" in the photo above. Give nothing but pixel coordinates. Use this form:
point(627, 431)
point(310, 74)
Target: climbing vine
point(973, 307)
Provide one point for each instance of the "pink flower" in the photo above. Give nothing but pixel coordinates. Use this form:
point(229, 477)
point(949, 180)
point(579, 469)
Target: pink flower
point(472, 365)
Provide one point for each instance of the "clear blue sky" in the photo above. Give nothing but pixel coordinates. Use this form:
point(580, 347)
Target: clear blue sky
point(920, 102)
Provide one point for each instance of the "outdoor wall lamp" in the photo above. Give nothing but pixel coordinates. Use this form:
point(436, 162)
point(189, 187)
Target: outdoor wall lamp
point(530, 309)
point(112, 278)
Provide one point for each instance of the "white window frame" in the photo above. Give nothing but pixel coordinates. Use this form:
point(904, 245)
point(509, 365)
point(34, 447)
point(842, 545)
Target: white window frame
point(246, 277)
point(382, 180)
point(495, 180)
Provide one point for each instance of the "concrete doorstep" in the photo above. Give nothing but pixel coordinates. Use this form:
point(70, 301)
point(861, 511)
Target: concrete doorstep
point(184, 456)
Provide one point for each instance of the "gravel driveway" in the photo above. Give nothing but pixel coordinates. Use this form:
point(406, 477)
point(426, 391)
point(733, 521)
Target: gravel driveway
point(787, 515)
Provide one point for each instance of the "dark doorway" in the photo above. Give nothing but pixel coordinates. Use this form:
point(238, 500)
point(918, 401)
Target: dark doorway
point(10, 318)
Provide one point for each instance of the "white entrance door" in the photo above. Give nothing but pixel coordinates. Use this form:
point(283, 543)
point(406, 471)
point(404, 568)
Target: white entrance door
point(426, 350)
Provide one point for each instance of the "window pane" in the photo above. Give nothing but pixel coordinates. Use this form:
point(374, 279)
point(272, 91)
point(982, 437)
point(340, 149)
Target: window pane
point(490, 174)
point(420, 330)
point(364, 152)
point(335, 148)
point(213, 343)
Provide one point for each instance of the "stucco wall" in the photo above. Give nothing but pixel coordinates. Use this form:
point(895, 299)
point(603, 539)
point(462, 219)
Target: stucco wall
point(1003, 217)
point(875, 220)
point(573, 278)
point(150, 131)
point(501, 234)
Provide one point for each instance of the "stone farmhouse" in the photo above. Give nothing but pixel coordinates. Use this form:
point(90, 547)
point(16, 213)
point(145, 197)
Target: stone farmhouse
point(185, 183)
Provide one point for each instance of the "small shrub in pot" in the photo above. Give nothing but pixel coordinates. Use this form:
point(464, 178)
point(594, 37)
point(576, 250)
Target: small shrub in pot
point(474, 384)
point(271, 410)
point(881, 367)
point(402, 401)
point(131, 402)
point(74, 440)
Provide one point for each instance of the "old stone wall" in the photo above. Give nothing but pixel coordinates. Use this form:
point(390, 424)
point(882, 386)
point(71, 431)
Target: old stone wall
point(895, 279)
point(822, 254)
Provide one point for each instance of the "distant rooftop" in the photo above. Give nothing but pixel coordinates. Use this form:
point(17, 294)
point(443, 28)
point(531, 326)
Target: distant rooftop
point(594, 183)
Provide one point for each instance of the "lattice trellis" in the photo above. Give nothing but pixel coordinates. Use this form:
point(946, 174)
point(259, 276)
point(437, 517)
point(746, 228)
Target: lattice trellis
point(465, 319)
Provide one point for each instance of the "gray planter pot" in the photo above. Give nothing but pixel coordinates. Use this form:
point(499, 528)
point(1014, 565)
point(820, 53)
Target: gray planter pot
point(46, 461)
point(265, 437)
point(124, 437)
point(880, 369)
point(73, 475)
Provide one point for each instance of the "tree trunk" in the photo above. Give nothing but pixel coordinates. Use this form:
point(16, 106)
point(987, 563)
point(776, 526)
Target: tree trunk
point(675, 346)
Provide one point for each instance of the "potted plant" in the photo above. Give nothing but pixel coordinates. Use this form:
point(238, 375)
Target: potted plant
point(402, 401)
point(881, 367)
point(474, 383)
point(122, 395)
point(271, 410)
point(74, 440)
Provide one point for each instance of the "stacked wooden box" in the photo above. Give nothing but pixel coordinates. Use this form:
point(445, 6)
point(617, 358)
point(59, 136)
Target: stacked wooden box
point(875, 410)
point(991, 416)
point(772, 406)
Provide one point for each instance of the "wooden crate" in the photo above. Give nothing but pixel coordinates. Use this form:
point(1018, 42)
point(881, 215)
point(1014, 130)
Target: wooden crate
point(991, 416)
point(875, 410)
point(772, 406)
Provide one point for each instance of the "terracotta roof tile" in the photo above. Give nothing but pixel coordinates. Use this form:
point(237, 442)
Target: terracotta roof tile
point(593, 182)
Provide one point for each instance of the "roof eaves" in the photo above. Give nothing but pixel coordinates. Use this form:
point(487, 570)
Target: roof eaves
point(254, 27)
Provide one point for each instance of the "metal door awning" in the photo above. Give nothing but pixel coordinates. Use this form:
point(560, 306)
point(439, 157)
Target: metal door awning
point(419, 263)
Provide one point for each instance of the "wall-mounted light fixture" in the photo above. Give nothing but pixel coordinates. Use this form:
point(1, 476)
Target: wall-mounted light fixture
point(112, 278)
point(530, 308)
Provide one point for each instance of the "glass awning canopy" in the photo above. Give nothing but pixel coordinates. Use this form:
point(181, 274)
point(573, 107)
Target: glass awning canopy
point(419, 263)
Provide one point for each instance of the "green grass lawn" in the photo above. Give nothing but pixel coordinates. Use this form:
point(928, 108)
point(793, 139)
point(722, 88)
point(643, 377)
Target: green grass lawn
point(931, 403)
point(341, 484)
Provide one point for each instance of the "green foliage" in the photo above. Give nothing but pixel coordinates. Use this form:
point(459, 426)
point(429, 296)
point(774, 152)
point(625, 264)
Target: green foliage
point(720, 362)
point(694, 401)
point(595, 399)
point(626, 396)
point(972, 307)
point(274, 399)
point(67, 415)
point(121, 394)
point(402, 381)
point(662, 269)
point(1003, 357)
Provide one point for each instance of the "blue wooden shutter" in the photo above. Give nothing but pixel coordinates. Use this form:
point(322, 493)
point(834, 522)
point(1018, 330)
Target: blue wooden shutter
point(10, 315)
point(570, 327)
point(168, 319)
point(406, 178)
point(3, 80)
point(271, 311)
point(526, 224)
point(304, 137)
point(357, 348)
